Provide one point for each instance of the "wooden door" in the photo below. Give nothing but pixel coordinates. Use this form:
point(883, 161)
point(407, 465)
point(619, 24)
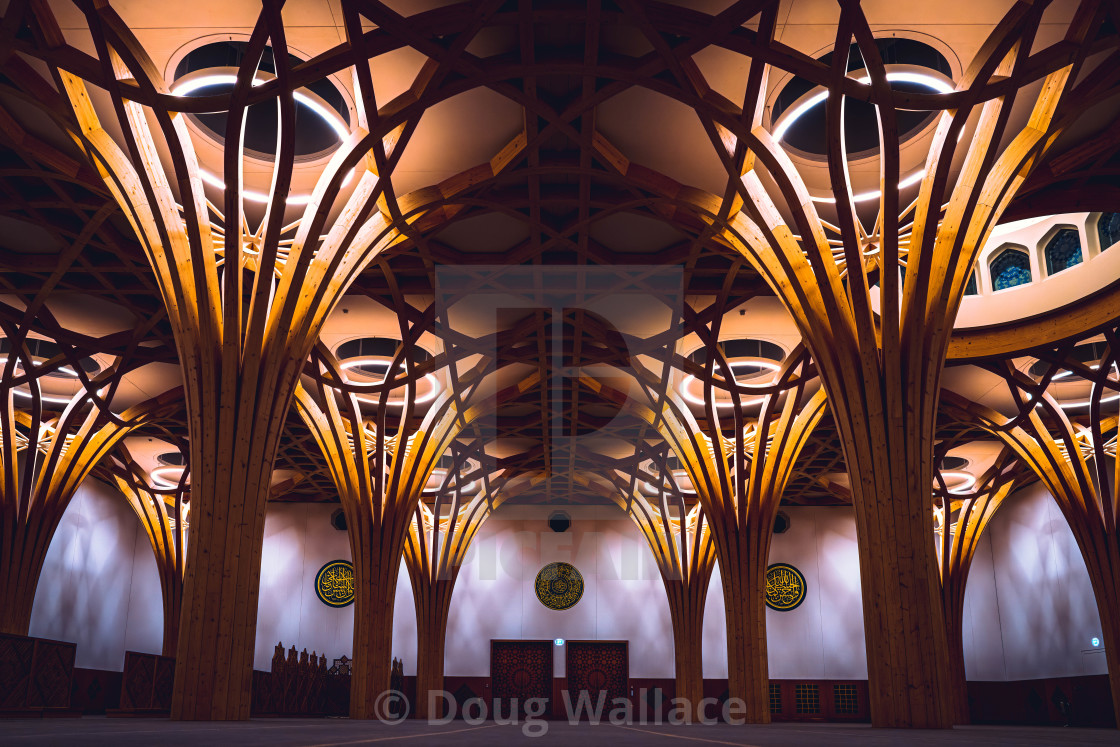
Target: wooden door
point(595, 667)
point(520, 670)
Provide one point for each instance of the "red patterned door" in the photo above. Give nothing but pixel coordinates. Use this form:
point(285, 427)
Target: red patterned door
point(595, 667)
point(520, 670)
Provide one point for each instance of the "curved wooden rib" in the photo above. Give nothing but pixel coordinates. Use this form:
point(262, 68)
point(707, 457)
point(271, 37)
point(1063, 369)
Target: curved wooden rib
point(955, 551)
point(680, 540)
point(1076, 461)
point(241, 346)
point(740, 504)
point(433, 552)
point(164, 516)
point(46, 452)
point(882, 367)
point(380, 479)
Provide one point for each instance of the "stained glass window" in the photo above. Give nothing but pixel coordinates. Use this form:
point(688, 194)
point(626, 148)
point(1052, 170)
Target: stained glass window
point(1063, 251)
point(1108, 229)
point(1010, 268)
point(970, 288)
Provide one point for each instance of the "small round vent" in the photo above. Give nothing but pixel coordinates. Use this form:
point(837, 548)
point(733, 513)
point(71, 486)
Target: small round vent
point(338, 520)
point(781, 523)
point(559, 521)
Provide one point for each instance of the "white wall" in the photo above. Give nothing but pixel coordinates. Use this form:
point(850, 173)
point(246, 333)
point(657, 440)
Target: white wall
point(99, 587)
point(298, 541)
point(823, 637)
point(1029, 607)
point(623, 596)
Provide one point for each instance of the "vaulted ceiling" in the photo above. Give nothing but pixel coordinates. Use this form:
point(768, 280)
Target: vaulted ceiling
point(559, 171)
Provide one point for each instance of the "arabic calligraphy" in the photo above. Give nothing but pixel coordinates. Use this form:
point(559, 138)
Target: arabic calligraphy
point(559, 586)
point(785, 587)
point(334, 584)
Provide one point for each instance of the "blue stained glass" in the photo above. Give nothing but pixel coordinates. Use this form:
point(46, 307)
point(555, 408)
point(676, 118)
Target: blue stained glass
point(1108, 229)
point(970, 288)
point(1011, 268)
point(1063, 251)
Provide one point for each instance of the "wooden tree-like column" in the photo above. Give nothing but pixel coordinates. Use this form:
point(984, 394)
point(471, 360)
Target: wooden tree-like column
point(681, 543)
point(246, 303)
point(48, 446)
point(960, 522)
point(164, 514)
point(1071, 446)
point(879, 343)
point(380, 476)
point(436, 545)
point(739, 466)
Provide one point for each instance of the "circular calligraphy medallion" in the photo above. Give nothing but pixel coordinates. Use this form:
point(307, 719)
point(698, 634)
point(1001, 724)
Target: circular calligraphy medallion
point(334, 583)
point(785, 587)
point(559, 586)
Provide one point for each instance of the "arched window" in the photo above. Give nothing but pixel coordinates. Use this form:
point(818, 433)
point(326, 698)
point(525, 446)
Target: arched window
point(1063, 251)
point(1108, 229)
point(1010, 268)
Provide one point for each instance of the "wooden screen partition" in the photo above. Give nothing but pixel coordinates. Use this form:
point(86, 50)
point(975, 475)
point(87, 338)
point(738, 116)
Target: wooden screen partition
point(595, 668)
point(147, 683)
point(519, 670)
point(35, 675)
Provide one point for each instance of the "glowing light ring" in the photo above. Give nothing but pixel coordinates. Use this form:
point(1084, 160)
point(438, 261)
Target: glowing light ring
point(1085, 402)
point(65, 370)
point(968, 481)
point(331, 117)
point(434, 386)
point(56, 400)
point(159, 480)
point(935, 84)
point(693, 399)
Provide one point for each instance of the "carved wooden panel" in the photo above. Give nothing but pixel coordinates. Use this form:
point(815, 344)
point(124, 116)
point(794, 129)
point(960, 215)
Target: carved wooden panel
point(595, 667)
point(147, 682)
point(35, 673)
point(15, 670)
point(520, 670)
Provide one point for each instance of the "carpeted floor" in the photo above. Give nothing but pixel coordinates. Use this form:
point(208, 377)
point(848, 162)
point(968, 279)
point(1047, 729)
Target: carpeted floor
point(324, 732)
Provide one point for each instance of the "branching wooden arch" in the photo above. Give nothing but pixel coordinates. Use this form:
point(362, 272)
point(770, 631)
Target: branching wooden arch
point(1074, 455)
point(48, 446)
point(435, 547)
point(164, 513)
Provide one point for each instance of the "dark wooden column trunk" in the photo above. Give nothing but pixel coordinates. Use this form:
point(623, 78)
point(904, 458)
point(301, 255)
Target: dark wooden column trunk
point(231, 469)
point(688, 628)
point(743, 574)
point(21, 562)
point(890, 462)
point(1104, 572)
point(377, 561)
point(954, 665)
point(172, 587)
point(431, 625)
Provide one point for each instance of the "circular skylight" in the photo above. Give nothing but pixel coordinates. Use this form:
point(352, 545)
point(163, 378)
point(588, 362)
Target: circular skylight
point(322, 118)
point(912, 66)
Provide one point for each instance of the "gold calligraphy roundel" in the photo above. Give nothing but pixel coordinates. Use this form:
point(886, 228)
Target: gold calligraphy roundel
point(785, 587)
point(559, 586)
point(334, 583)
